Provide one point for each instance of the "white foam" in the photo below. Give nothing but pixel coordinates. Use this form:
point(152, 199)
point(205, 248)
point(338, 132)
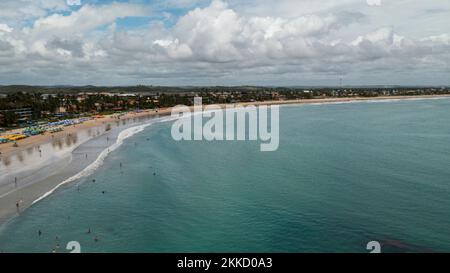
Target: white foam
point(100, 159)
point(89, 170)
point(355, 101)
point(137, 129)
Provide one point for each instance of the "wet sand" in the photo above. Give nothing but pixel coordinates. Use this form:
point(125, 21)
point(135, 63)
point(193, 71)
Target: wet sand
point(46, 161)
point(42, 162)
point(8, 149)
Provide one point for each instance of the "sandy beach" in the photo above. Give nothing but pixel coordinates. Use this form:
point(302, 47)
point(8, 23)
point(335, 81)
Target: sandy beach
point(8, 149)
point(40, 163)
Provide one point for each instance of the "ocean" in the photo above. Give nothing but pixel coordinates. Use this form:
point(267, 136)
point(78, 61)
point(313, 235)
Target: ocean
point(345, 174)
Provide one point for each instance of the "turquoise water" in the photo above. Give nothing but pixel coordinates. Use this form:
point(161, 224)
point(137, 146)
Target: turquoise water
point(344, 175)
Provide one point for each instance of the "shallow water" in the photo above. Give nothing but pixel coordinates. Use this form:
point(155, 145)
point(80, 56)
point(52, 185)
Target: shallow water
point(344, 175)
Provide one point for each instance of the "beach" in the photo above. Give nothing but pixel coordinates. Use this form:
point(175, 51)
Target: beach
point(345, 174)
point(8, 149)
point(41, 163)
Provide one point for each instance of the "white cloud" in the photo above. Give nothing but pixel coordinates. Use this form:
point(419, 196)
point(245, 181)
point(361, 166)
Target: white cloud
point(222, 43)
point(19, 10)
point(374, 2)
point(440, 39)
point(86, 19)
point(74, 2)
point(5, 28)
point(218, 34)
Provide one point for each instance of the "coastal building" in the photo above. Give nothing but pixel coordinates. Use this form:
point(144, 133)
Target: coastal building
point(127, 95)
point(21, 115)
point(61, 110)
point(107, 94)
point(47, 96)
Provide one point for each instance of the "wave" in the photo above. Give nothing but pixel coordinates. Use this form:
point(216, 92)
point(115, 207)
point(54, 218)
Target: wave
point(89, 170)
point(129, 132)
point(354, 101)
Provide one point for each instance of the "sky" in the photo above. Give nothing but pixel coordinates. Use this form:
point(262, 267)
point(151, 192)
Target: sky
point(225, 42)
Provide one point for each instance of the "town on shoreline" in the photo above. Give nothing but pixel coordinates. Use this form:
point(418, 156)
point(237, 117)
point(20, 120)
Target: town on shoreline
point(27, 111)
point(72, 116)
point(21, 106)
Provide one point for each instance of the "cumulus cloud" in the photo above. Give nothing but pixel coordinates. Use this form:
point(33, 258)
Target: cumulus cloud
point(219, 34)
point(29, 9)
point(374, 2)
point(5, 28)
point(86, 19)
point(74, 2)
point(219, 43)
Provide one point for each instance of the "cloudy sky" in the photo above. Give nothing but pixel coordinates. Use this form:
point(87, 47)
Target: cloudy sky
point(225, 42)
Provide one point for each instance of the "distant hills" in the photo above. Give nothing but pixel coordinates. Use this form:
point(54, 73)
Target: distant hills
point(181, 89)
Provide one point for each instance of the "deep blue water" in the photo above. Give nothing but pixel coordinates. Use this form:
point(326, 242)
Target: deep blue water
point(344, 175)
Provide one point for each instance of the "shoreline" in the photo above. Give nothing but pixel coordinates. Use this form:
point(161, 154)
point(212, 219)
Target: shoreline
point(76, 159)
point(73, 161)
point(8, 149)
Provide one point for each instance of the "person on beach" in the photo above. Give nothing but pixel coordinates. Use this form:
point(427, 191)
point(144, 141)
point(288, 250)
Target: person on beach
point(39, 233)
